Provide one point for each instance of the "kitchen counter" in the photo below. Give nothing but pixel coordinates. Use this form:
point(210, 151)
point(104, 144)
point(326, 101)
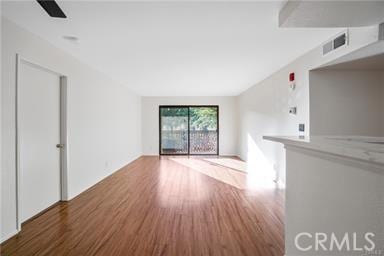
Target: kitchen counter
point(367, 149)
point(334, 185)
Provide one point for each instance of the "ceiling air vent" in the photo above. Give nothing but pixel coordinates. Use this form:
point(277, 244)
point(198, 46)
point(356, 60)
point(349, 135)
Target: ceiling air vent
point(335, 43)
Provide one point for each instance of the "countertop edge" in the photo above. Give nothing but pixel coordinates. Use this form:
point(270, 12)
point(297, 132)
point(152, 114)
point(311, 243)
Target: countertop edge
point(329, 148)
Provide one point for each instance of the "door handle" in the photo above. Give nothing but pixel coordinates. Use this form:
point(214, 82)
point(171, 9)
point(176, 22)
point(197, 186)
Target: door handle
point(60, 145)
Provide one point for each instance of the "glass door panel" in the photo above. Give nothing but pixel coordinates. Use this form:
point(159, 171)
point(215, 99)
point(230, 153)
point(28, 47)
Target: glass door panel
point(174, 130)
point(203, 131)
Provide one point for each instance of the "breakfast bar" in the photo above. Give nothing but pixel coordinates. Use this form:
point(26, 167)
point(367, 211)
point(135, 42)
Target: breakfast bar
point(334, 187)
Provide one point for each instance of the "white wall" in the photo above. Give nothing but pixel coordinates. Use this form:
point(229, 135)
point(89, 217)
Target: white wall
point(227, 121)
point(346, 102)
point(382, 106)
point(104, 119)
point(263, 108)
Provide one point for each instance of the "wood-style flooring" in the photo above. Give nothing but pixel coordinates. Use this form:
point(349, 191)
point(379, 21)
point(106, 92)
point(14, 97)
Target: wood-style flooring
point(163, 206)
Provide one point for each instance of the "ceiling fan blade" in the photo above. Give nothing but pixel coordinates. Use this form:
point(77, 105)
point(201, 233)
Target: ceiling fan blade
point(52, 8)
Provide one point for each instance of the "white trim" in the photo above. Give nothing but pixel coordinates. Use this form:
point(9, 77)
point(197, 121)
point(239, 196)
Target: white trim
point(63, 138)
point(346, 160)
point(8, 236)
point(63, 135)
point(30, 63)
point(99, 179)
point(18, 197)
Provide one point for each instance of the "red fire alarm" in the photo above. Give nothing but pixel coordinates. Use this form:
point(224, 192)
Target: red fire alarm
point(291, 77)
point(292, 83)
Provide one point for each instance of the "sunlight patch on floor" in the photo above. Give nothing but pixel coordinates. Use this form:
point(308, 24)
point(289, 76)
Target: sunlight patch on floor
point(228, 162)
point(239, 179)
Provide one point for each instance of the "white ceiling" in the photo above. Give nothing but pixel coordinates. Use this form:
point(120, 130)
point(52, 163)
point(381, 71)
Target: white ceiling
point(174, 48)
point(336, 13)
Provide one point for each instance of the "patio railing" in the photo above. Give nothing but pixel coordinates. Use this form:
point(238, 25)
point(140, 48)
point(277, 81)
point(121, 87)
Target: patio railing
point(201, 142)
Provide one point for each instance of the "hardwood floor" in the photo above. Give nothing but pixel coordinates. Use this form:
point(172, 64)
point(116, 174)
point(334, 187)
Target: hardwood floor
point(170, 206)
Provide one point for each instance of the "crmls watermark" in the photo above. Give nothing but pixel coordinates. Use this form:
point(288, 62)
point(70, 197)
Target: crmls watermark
point(376, 252)
point(331, 242)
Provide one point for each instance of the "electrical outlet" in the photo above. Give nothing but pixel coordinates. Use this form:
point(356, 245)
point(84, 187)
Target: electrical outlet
point(293, 110)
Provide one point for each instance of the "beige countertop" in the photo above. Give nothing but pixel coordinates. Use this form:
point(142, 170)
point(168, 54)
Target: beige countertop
point(367, 149)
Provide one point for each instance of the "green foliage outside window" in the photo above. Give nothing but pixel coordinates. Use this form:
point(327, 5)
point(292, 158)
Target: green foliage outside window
point(201, 118)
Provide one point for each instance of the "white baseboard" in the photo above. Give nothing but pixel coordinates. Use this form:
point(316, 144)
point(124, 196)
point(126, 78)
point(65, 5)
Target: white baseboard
point(6, 237)
point(99, 179)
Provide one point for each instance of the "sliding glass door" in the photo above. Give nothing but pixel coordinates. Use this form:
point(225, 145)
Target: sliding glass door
point(189, 130)
point(174, 130)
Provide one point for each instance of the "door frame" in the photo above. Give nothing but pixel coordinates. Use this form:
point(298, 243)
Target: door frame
point(189, 106)
point(63, 134)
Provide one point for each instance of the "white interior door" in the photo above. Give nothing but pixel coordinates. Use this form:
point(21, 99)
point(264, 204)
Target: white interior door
point(39, 132)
